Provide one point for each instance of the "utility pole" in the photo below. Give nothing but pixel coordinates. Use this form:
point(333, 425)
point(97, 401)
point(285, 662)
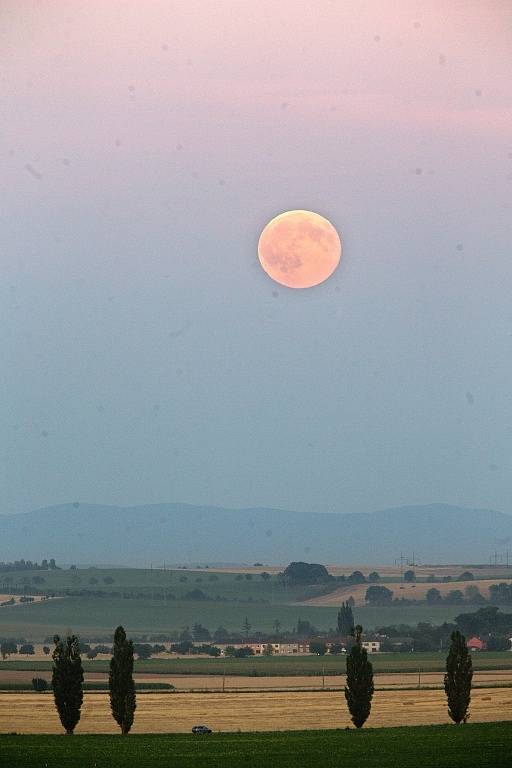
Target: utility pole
point(401, 560)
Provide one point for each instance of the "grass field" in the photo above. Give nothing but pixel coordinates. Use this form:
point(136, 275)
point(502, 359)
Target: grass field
point(277, 665)
point(150, 582)
point(483, 745)
point(92, 617)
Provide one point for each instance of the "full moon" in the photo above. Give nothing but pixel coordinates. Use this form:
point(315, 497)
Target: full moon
point(299, 249)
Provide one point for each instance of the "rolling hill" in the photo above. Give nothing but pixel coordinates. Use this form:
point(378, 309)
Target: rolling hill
point(186, 534)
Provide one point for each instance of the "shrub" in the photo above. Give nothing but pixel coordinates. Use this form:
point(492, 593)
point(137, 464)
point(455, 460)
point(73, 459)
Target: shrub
point(27, 649)
point(39, 684)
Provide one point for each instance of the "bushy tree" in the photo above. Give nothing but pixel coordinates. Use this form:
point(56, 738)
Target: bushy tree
point(433, 596)
point(409, 576)
point(200, 633)
point(454, 597)
point(120, 682)
point(345, 620)
point(473, 595)
point(8, 647)
point(67, 681)
point(377, 595)
point(359, 686)
point(373, 577)
point(183, 647)
point(305, 628)
point(356, 577)
point(143, 650)
point(306, 573)
point(466, 576)
point(27, 649)
point(220, 635)
point(318, 647)
point(243, 653)
point(498, 643)
point(458, 677)
point(486, 620)
point(501, 593)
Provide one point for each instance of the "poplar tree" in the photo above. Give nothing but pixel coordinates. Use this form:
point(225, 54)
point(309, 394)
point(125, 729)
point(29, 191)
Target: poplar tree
point(67, 681)
point(458, 677)
point(345, 620)
point(120, 682)
point(359, 685)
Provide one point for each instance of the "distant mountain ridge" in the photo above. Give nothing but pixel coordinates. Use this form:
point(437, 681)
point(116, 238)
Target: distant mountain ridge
point(187, 534)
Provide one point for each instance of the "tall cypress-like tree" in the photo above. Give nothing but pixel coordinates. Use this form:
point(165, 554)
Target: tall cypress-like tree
point(359, 686)
point(67, 681)
point(345, 620)
point(458, 677)
point(120, 682)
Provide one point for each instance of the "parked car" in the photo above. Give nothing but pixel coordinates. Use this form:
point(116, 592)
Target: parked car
point(202, 729)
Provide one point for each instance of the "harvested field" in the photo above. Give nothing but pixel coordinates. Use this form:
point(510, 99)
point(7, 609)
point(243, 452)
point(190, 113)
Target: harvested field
point(386, 571)
point(166, 713)
point(414, 591)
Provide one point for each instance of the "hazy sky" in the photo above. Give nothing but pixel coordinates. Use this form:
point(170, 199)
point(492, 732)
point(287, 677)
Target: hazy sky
point(146, 357)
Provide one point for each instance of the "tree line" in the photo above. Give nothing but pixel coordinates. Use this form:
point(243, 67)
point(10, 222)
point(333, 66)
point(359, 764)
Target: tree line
point(29, 565)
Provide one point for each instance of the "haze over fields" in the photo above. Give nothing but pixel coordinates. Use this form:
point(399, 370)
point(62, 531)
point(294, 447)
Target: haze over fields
point(180, 533)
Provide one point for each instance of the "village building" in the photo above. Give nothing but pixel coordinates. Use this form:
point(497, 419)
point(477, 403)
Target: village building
point(476, 644)
point(372, 646)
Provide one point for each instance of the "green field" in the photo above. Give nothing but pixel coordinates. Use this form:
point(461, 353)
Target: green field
point(483, 745)
point(92, 617)
point(264, 666)
point(167, 583)
point(178, 581)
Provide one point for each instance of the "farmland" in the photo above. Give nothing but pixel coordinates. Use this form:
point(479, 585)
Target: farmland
point(21, 680)
point(151, 601)
point(407, 591)
point(95, 616)
point(251, 711)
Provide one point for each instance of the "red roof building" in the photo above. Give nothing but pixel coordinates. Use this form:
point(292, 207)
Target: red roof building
point(475, 644)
